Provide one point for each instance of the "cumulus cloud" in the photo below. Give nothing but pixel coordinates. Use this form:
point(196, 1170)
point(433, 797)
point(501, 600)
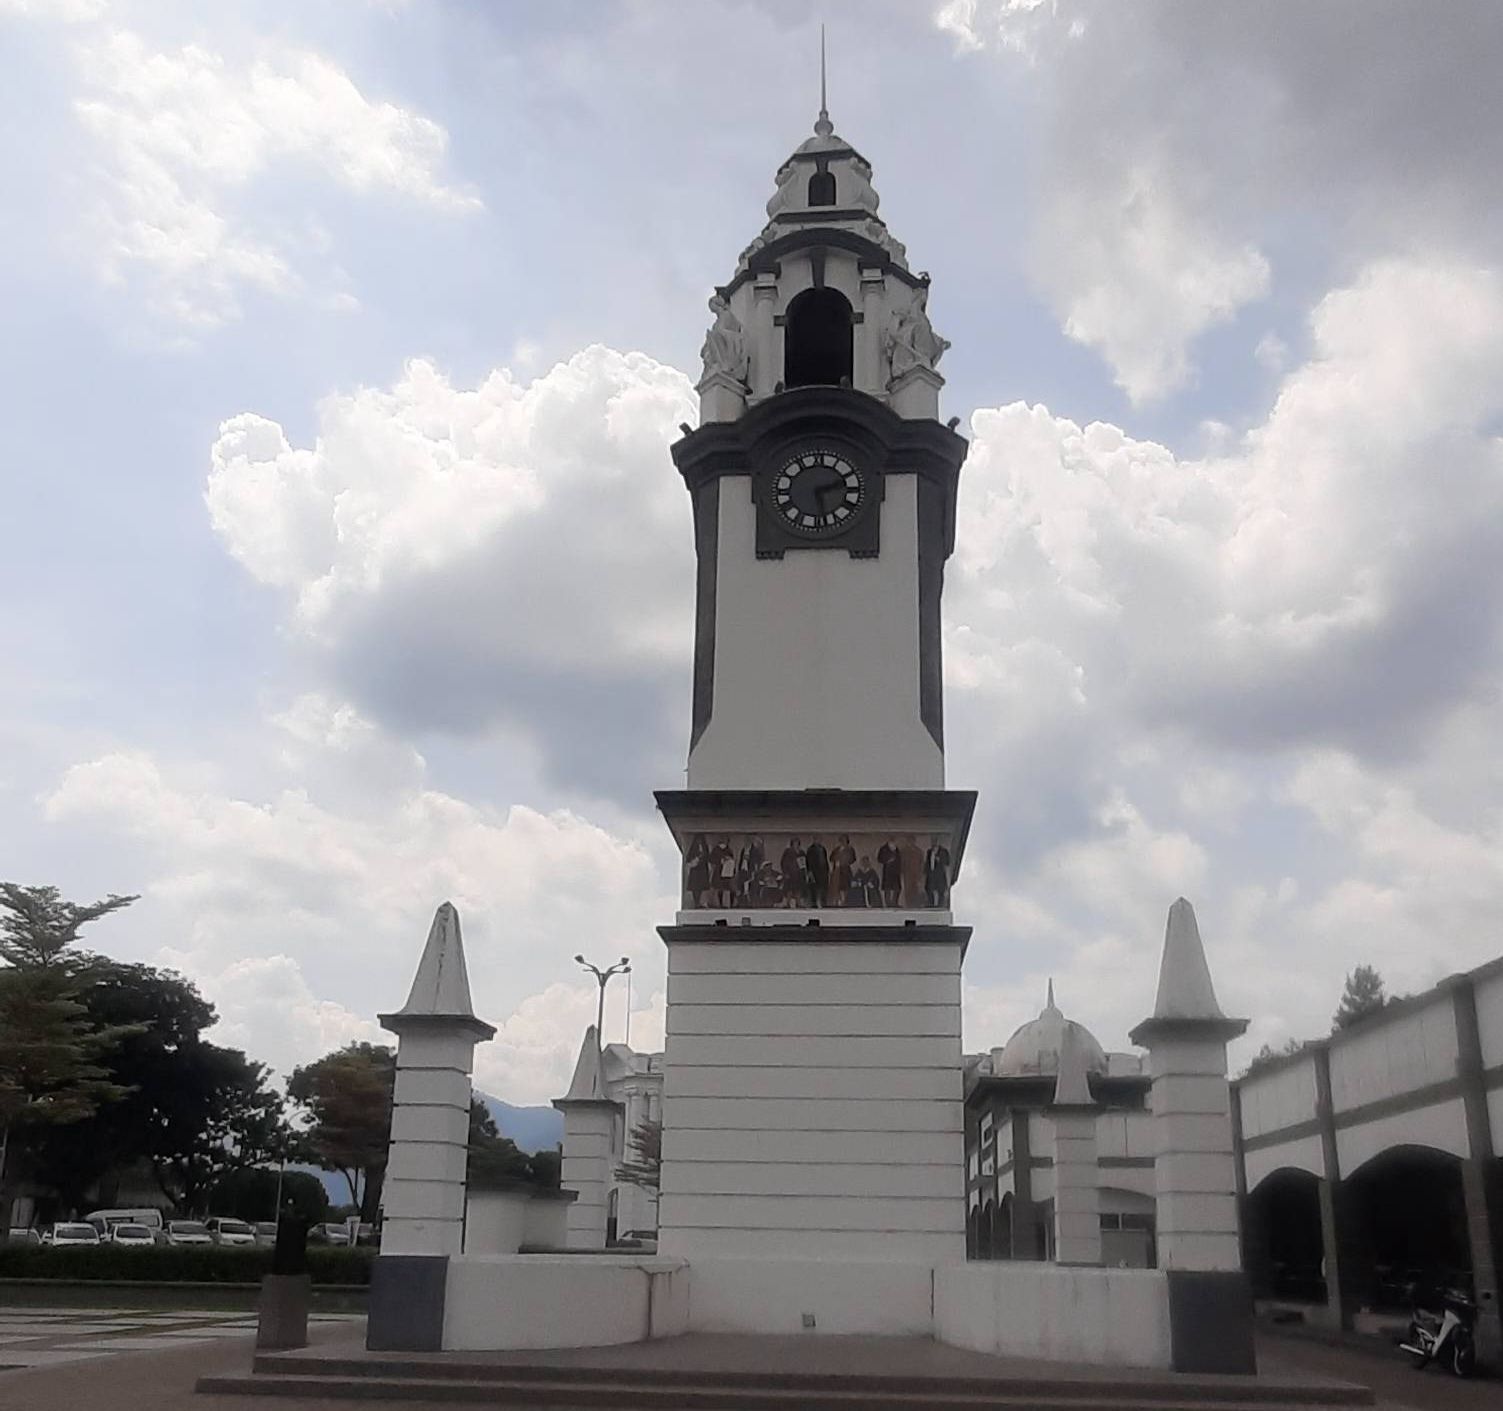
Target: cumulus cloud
point(1257, 677)
point(510, 556)
point(302, 914)
point(185, 139)
point(1185, 141)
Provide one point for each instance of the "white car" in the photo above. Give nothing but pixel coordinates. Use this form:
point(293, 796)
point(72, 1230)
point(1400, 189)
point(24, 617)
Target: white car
point(136, 1236)
point(223, 1230)
point(73, 1233)
point(188, 1232)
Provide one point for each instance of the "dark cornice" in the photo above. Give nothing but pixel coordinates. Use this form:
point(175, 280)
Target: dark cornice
point(890, 442)
point(813, 933)
point(817, 236)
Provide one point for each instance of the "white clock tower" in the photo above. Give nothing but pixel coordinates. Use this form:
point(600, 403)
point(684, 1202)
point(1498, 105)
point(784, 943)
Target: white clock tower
point(812, 1088)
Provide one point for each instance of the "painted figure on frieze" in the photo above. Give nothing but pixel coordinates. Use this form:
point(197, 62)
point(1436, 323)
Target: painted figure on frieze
point(817, 871)
point(890, 863)
point(842, 866)
point(937, 874)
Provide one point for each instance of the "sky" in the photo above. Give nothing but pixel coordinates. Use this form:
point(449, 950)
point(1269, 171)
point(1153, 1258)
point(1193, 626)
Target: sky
point(346, 570)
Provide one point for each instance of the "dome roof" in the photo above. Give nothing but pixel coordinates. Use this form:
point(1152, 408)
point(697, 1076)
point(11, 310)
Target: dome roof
point(1034, 1050)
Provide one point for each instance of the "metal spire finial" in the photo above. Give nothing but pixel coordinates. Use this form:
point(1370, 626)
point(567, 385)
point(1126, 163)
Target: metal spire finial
point(824, 127)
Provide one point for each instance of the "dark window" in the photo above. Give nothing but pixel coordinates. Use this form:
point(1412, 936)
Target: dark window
point(822, 188)
point(818, 340)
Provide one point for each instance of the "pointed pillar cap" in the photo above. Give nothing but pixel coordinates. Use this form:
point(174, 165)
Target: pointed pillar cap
point(440, 993)
point(1186, 1001)
point(588, 1083)
point(1072, 1087)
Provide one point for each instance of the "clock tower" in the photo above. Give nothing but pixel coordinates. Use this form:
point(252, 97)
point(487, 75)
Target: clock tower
point(812, 1078)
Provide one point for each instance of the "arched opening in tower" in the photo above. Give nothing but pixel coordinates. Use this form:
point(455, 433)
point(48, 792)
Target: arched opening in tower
point(819, 340)
point(822, 188)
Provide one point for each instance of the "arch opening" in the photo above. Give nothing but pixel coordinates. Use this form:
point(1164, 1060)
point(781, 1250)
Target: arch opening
point(819, 340)
point(1285, 1248)
point(822, 188)
point(1408, 1213)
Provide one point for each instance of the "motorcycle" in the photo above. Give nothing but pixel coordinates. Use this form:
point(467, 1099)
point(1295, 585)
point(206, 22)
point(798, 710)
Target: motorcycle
point(1446, 1337)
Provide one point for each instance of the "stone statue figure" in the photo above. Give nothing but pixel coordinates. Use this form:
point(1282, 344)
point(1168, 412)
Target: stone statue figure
point(910, 340)
point(725, 347)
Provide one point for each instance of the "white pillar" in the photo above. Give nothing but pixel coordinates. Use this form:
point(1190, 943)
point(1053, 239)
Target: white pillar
point(423, 1199)
point(424, 1191)
point(1077, 1194)
point(914, 394)
point(589, 1119)
point(1195, 1181)
point(767, 364)
point(870, 375)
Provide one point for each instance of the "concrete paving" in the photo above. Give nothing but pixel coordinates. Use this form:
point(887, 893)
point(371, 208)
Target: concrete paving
point(163, 1379)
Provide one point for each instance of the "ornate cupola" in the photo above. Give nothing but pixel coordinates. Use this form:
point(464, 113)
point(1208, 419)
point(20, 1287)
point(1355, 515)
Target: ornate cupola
point(823, 297)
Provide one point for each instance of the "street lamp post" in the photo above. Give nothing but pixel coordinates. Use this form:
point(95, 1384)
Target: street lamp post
point(602, 977)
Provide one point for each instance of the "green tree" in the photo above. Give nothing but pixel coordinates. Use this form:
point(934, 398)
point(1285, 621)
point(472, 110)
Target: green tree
point(166, 1016)
point(1363, 995)
point(645, 1165)
point(192, 1110)
point(51, 1071)
point(37, 926)
point(1268, 1054)
point(492, 1155)
point(251, 1194)
point(220, 1115)
point(545, 1168)
point(346, 1096)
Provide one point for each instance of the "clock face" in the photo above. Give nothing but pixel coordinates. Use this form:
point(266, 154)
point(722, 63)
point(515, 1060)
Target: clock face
point(818, 492)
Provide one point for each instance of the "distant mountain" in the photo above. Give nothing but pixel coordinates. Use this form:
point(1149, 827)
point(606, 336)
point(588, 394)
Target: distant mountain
point(532, 1128)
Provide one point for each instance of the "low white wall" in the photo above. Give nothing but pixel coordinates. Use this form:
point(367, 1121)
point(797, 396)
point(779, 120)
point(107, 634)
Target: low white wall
point(1113, 1316)
point(495, 1221)
point(772, 1296)
point(515, 1301)
point(546, 1224)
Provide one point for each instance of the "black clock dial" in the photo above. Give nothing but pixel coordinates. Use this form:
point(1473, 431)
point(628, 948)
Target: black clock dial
point(818, 492)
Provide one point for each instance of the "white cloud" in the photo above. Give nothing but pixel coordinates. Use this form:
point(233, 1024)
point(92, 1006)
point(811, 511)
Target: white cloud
point(1182, 145)
point(186, 138)
point(65, 11)
point(302, 915)
point(496, 539)
point(1139, 278)
point(1260, 678)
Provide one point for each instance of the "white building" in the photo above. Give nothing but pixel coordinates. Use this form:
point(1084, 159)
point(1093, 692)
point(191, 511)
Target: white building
point(1010, 1140)
point(1373, 1159)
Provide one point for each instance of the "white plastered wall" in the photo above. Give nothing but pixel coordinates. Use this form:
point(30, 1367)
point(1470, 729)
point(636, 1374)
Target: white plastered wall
point(812, 1105)
point(1442, 1125)
point(1301, 1154)
point(1395, 1057)
point(1278, 1098)
point(847, 631)
point(1490, 1022)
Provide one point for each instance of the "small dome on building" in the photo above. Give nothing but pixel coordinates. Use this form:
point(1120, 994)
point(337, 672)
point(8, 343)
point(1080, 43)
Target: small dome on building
point(1034, 1050)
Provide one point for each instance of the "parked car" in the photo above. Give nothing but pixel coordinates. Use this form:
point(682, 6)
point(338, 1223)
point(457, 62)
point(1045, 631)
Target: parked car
point(18, 1235)
point(266, 1232)
point(70, 1233)
point(223, 1230)
point(106, 1220)
point(135, 1236)
point(188, 1232)
point(329, 1234)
